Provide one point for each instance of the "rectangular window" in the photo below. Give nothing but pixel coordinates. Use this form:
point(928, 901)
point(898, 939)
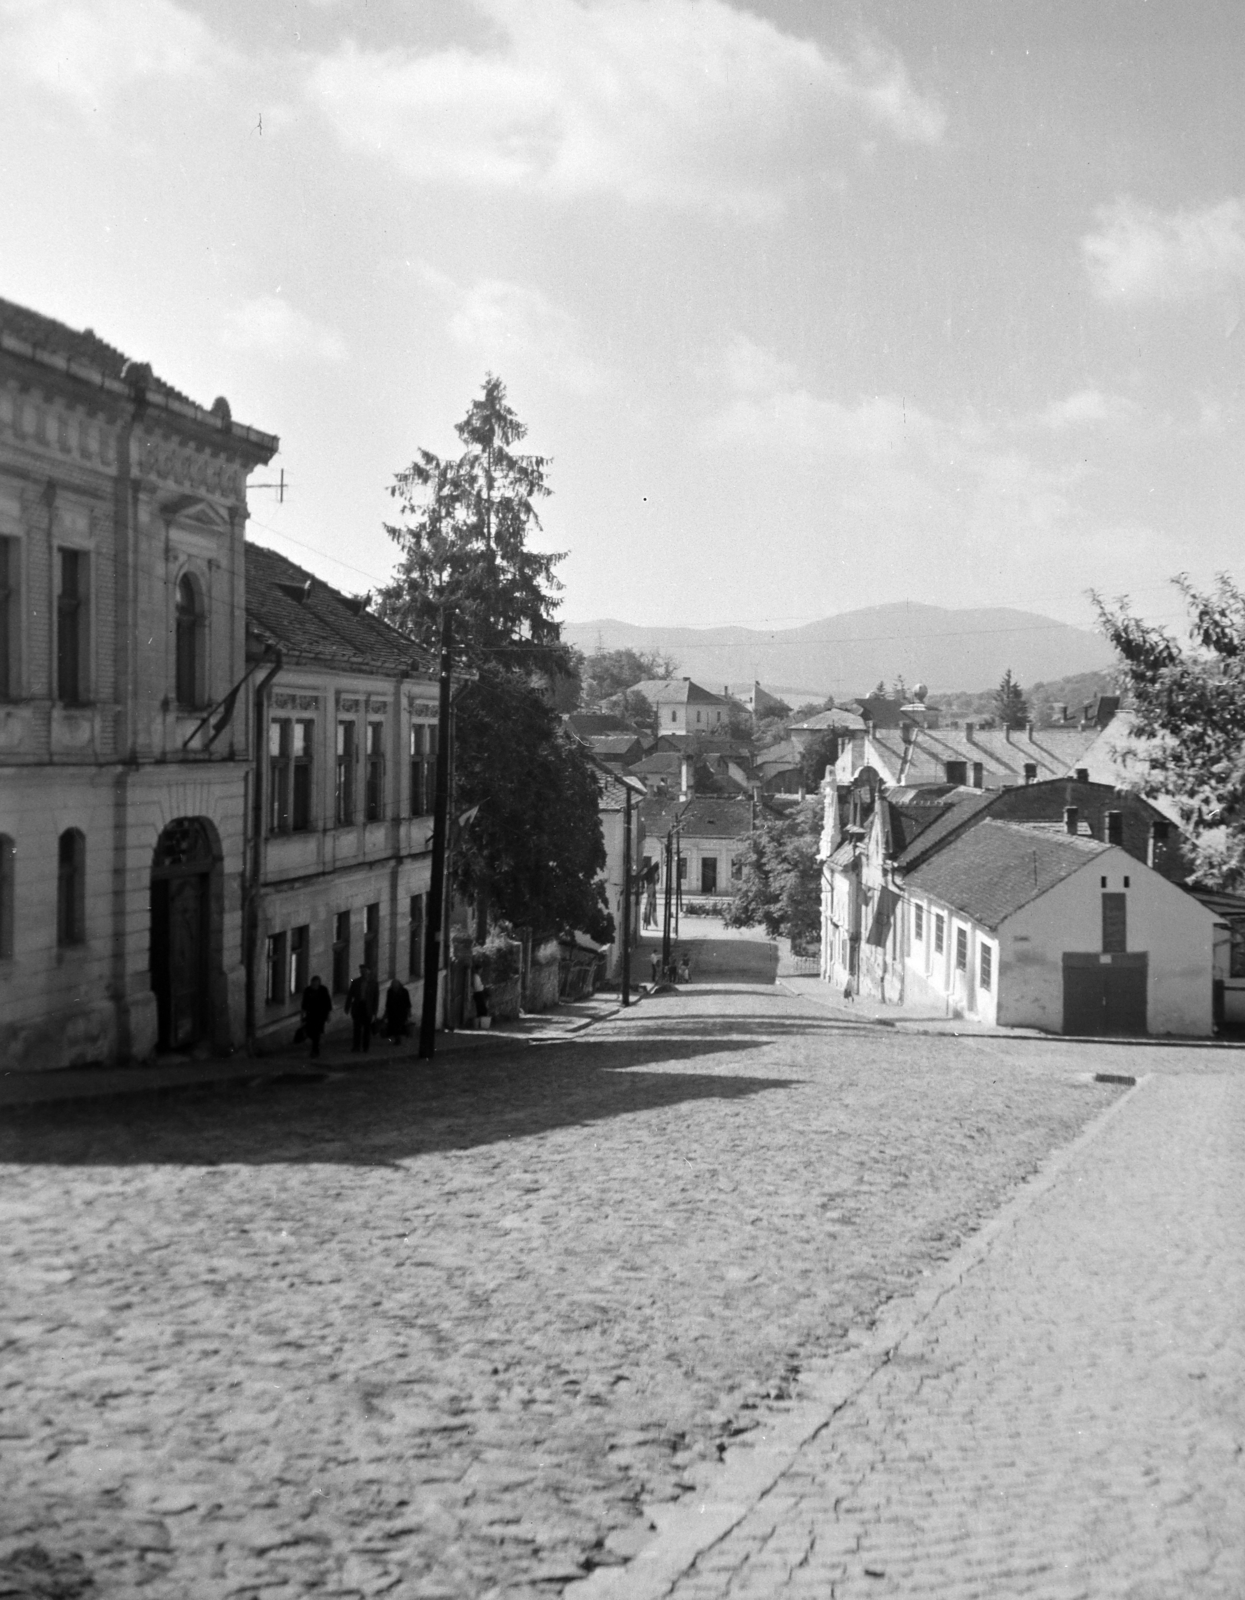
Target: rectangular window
point(682, 869)
point(304, 745)
point(279, 742)
point(276, 991)
point(957, 771)
point(987, 967)
point(1030, 770)
point(415, 969)
point(375, 771)
point(7, 891)
point(423, 768)
point(1114, 922)
point(341, 952)
point(300, 956)
point(961, 949)
point(918, 923)
point(345, 771)
point(71, 628)
point(709, 875)
point(1115, 827)
point(8, 618)
point(940, 931)
point(371, 937)
point(71, 888)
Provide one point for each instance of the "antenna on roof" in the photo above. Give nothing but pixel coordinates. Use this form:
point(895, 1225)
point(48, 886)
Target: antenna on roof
point(279, 486)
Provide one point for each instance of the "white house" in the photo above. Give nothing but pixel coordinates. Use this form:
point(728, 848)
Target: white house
point(1017, 924)
point(684, 707)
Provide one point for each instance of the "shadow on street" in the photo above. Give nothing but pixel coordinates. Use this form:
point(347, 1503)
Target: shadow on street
point(377, 1115)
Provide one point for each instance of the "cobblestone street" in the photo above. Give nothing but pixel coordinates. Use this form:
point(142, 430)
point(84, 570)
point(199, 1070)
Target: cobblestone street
point(445, 1331)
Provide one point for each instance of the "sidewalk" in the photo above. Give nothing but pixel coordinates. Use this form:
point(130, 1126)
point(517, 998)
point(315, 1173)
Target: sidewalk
point(1058, 1414)
point(182, 1072)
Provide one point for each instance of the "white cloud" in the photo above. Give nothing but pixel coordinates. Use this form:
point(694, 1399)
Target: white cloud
point(501, 322)
point(90, 51)
point(687, 102)
point(270, 326)
point(1086, 406)
point(1139, 254)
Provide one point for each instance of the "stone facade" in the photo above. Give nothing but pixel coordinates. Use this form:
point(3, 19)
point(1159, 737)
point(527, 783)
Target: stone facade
point(122, 516)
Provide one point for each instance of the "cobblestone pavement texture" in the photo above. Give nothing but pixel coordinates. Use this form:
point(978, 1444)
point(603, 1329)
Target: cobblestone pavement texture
point(1067, 1421)
point(443, 1331)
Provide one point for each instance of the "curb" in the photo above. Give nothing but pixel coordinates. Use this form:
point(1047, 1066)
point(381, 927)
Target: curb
point(689, 1527)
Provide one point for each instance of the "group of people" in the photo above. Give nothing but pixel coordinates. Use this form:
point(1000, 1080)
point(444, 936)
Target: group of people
point(362, 1005)
point(677, 970)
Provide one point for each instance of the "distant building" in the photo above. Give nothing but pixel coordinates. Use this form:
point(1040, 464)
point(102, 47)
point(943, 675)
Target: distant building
point(713, 832)
point(683, 706)
point(122, 660)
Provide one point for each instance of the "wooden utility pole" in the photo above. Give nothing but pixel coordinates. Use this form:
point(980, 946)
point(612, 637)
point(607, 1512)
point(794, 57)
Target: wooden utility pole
point(626, 898)
point(440, 830)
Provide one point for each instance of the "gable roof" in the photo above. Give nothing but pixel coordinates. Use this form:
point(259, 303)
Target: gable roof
point(834, 719)
point(612, 744)
point(950, 821)
point(676, 691)
point(707, 816)
point(994, 869)
point(326, 627)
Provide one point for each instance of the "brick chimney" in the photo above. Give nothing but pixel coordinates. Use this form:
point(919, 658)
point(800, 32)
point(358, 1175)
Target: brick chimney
point(685, 778)
point(970, 728)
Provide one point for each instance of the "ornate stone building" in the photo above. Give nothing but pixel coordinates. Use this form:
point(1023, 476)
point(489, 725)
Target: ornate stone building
point(122, 625)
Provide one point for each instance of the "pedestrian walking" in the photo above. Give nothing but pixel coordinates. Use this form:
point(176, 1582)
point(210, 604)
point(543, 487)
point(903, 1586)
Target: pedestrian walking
point(317, 1003)
point(685, 968)
point(849, 992)
point(397, 1010)
point(654, 962)
point(479, 996)
point(362, 1000)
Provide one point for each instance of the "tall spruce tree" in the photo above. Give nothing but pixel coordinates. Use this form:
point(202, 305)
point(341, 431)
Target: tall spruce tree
point(531, 853)
point(1010, 705)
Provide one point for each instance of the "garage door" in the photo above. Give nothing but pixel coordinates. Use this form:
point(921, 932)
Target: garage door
point(1104, 995)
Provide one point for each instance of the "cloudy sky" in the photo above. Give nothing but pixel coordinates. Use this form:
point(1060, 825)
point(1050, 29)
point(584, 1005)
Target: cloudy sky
point(813, 305)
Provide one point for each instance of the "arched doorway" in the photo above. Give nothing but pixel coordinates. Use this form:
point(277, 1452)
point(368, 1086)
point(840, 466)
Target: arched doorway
point(181, 883)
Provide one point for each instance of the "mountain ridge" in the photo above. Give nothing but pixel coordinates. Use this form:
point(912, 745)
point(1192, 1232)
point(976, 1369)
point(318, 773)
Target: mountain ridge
point(950, 650)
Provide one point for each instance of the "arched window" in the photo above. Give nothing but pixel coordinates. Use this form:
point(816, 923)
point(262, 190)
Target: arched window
point(189, 643)
point(6, 895)
point(71, 888)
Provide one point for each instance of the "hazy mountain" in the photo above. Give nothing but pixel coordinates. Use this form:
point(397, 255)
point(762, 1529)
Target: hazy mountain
point(850, 653)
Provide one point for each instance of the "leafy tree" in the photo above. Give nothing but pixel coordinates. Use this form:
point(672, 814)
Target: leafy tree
point(1009, 703)
point(1188, 712)
point(607, 673)
point(633, 707)
point(820, 753)
point(739, 720)
point(532, 851)
point(780, 886)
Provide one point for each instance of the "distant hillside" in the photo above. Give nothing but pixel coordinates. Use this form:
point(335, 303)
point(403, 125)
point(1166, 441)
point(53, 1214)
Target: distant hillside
point(850, 653)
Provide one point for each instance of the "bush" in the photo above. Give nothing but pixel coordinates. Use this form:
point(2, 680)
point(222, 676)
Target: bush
point(499, 958)
point(706, 908)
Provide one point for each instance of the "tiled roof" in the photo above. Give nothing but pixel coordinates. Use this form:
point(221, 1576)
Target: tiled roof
point(703, 816)
point(949, 822)
point(324, 627)
point(676, 691)
point(612, 744)
point(834, 719)
point(994, 869)
point(1053, 751)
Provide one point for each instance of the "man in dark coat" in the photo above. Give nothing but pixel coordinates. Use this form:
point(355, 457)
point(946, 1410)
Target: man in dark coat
point(397, 1009)
point(317, 1003)
point(362, 1000)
